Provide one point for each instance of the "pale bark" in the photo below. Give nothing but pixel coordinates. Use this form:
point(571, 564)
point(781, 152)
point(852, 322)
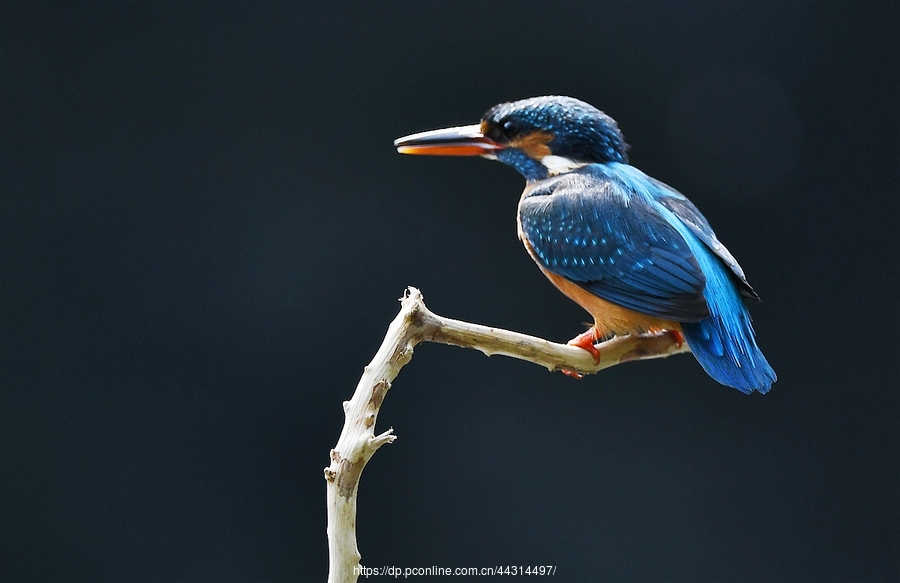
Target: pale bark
point(415, 324)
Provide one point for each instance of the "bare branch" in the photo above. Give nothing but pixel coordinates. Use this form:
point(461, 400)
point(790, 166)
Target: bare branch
point(415, 324)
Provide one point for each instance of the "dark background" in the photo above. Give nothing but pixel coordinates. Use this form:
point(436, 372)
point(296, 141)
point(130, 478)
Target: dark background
point(205, 229)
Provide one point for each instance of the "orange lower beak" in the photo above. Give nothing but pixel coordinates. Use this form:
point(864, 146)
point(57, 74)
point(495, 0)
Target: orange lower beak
point(458, 141)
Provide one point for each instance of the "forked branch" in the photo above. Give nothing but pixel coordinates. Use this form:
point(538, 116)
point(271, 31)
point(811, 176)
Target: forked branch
point(414, 324)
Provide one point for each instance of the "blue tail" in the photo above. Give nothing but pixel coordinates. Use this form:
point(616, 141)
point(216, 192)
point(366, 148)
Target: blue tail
point(725, 344)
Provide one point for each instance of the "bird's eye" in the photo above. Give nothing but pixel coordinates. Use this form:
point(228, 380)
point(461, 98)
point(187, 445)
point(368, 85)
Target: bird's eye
point(510, 128)
point(495, 133)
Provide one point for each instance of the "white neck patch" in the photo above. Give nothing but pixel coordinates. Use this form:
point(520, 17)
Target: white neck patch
point(560, 165)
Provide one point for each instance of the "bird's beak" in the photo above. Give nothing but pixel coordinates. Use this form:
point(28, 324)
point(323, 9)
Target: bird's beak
point(459, 141)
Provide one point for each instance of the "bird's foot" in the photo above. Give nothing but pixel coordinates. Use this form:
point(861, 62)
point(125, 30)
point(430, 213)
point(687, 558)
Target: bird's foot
point(586, 340)
point(677, 336)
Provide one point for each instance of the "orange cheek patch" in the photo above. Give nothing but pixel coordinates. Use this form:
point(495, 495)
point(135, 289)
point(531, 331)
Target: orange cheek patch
point(534, 144)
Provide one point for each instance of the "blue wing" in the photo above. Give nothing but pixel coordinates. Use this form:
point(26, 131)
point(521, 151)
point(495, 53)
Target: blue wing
point(685, 210)
point(613, 241)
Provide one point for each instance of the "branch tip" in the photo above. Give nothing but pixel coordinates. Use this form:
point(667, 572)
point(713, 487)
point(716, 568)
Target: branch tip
point(379, 440)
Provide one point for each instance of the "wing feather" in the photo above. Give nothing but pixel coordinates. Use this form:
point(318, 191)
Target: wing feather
point(612, 242)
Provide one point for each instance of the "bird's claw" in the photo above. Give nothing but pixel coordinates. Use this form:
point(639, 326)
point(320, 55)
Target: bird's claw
point(585, 341)
point(677, 336)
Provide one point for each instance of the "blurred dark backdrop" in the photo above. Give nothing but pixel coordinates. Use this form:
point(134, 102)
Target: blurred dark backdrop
point(205, 229)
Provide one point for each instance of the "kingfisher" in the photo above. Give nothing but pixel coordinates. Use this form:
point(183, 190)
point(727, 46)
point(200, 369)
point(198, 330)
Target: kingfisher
point(631, 250)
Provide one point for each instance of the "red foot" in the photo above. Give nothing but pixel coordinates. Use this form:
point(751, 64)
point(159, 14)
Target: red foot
point(677, 336)
point(586, 341)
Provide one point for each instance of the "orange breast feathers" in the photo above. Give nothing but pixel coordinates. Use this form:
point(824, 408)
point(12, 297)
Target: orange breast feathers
point(609, 318)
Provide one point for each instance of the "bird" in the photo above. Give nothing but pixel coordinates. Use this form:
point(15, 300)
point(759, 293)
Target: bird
point(635, 253)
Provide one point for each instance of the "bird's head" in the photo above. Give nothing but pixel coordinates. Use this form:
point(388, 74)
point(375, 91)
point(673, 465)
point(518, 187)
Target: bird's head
point(539, 137)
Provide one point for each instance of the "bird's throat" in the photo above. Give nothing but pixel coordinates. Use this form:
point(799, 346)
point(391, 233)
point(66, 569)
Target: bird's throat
point(560, 165)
